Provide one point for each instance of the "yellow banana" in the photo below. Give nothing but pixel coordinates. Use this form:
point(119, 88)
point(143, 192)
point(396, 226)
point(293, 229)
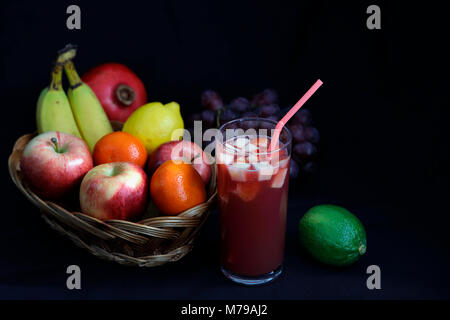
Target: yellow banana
point(53, 112)
point(87, 110)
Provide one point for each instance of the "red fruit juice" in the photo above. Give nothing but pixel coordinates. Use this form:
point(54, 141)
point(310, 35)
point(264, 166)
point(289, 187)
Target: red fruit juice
point(253, 191)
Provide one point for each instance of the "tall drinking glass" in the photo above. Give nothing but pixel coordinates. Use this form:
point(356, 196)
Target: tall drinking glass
point(252, 187)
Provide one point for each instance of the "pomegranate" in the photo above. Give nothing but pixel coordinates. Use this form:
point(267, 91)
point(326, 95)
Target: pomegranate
point(119, 89)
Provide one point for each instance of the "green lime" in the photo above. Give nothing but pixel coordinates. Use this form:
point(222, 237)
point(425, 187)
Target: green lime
point(332, 235)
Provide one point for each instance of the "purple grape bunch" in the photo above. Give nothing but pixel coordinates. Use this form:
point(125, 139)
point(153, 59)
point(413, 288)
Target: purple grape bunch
point(265, 104)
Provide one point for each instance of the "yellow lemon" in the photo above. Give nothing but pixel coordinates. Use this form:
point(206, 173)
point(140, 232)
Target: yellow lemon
point(155, 124)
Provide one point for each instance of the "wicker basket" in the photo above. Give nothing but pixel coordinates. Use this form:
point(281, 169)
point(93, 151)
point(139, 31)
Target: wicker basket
point(150, 242)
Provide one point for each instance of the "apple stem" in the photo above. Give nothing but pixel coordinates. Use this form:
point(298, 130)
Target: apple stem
point(195, 157)
point(55, 143)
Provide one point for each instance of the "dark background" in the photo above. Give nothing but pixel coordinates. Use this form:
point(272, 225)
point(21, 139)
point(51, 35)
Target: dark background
point(382, 113)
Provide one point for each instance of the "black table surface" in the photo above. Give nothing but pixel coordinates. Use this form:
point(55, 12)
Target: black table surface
point(414, 264)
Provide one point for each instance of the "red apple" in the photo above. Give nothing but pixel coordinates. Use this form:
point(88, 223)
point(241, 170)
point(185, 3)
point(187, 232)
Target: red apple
point(116, 190)
point(53, 164)
point(186, 150)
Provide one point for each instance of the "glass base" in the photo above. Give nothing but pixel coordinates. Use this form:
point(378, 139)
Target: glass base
point(252, 281)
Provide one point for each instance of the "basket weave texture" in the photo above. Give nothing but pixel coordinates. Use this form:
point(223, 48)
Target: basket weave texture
point(153, 241)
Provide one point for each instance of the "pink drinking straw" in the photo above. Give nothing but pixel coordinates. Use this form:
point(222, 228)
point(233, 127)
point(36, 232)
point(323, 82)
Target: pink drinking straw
point(290, 114)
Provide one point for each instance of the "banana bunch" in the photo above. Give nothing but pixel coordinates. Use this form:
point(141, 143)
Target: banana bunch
point(80, 113)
